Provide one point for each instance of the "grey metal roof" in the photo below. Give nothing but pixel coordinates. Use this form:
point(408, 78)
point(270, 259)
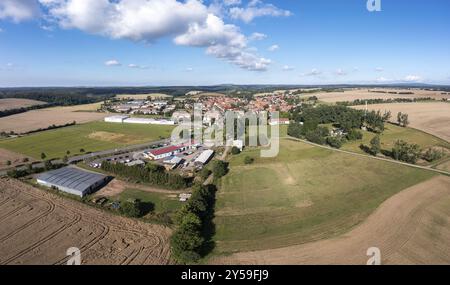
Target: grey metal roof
point(72, 178)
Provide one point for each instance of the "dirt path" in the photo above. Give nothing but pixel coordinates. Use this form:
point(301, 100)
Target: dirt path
point(117, 186)
point(37, 227)
point(412, 227)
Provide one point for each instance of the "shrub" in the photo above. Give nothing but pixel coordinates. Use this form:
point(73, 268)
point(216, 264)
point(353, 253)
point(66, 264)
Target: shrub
point(375, 145)
point(130, 209)
point(431, 155)
point(235, 151)
point(354, 135)
point(403, 151)
point(334, 142)
point(220, 169)
point(249, 160)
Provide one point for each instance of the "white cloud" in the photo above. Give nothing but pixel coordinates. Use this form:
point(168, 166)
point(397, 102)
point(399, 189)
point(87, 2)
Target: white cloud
point(18, 10)
point(257, 8)
point(231, 2)
point(112, 62)
point(340, 72)
point(313, 72)
point(191, 23)
point(379, 69)
point(413, 78)
point(137, 66)
point(274, 48)
point(189, 69)
point(222, 41)
point(383, 80)
point(287, 68)
point(257, 37)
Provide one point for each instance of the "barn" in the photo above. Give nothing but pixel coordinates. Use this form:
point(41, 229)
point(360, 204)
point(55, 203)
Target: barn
point(73, 180)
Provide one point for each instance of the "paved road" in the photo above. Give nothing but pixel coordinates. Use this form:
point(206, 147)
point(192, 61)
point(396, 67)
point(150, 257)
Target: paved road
point(111, 152)
point(371, 157)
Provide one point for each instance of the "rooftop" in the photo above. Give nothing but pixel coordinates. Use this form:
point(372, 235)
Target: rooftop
point(72, 178)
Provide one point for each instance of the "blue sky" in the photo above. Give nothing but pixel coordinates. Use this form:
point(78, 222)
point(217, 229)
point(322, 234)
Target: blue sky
point(305, 42)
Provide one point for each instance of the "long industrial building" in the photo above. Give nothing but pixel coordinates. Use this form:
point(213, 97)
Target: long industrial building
point(142, 121)
point(73, 180)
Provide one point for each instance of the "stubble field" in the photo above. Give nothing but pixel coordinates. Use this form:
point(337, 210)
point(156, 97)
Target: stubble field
point(364, 94)
point(38, 227)
point(13, 103)
point(43, 118)
point(430, 117)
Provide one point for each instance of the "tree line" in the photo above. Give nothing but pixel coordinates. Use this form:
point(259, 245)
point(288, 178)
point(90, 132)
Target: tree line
point(10, 112)
point(150, 174)
point(359, 102)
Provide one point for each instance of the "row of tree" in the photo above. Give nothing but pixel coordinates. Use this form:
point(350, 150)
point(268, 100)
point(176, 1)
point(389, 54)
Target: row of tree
point(151, 174)
point(404, 151)
point(10, 112)
point(192, 238)
point(29, 170)
point(359, 102)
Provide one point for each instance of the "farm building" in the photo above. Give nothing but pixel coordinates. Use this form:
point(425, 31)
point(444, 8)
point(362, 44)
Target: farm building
point(168, 151)
point(73, 180)
point(116, 119)
point(128, 120)
point(173, 161)
point(281, 121)
point(204, 157)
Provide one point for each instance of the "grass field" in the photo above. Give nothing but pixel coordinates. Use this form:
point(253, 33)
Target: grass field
point(91, 137)
point(161, 202)
point(394, 133)
point(306, 193)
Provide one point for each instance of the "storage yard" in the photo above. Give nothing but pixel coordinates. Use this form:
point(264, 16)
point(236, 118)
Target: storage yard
point(37, 227)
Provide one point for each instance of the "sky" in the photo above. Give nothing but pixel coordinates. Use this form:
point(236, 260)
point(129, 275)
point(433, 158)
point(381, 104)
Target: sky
point(193, 42)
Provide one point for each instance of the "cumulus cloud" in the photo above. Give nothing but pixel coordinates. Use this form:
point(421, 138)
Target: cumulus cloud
point(413, 78)
point(191, 23)
point(257, 37)
point(274, 48)
point(18, 10)
point(256, 8)
point(137, 66)
point(340, 72)
point(313, 72)
point(287, 68)
point(112, 62)
point(231, 2)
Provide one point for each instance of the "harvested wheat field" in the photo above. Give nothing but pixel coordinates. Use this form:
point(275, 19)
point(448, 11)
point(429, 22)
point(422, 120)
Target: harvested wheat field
point(37, 227)
point(13, 157)
point(364, 94)
point(43, 118)
point(430, 117)
point(412, 227)
point(13, 103)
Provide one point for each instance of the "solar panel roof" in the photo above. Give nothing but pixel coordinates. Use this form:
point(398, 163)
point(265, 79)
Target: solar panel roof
point(72, 178)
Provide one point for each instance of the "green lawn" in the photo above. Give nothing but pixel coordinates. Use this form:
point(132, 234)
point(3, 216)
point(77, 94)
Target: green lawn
point(91, 137)
point(305, 193)
point(394, 133)
point(160, 201)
